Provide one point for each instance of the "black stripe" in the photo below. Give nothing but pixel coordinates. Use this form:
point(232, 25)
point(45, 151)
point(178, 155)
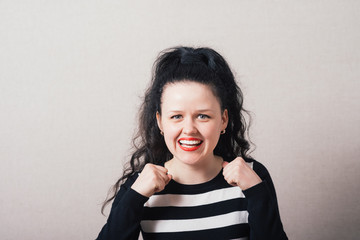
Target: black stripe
point(166, 213)
point(230, 232)
point(176, 188)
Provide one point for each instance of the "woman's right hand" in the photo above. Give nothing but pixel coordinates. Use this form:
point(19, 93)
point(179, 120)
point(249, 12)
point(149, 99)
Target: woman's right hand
point(152, 179)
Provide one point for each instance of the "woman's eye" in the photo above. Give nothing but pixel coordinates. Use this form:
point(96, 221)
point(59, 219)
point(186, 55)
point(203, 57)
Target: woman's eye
point(203, 116)
point(176, 117)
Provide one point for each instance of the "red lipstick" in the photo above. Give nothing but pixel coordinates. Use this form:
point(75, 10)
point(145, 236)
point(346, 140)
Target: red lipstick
point(189, 144)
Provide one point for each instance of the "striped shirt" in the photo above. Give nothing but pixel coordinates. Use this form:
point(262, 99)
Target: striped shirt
point(206, 209)
point(211, 210)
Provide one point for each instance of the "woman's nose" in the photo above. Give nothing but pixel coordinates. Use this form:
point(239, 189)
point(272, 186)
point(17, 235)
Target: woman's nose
point(189, 127)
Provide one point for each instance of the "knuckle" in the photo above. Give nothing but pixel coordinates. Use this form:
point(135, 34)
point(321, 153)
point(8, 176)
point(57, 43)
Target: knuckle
point(240, 160)
point(148, 166)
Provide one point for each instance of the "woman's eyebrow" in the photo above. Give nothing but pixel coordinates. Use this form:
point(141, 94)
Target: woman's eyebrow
point(205, 110)
point(174, 111)
point(196, 110)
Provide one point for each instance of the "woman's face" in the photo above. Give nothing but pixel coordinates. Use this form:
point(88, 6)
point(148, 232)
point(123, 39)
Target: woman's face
point(191, 119)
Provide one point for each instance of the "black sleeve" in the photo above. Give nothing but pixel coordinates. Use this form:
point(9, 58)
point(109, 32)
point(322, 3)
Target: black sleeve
point(264, 217)
point(125, 215)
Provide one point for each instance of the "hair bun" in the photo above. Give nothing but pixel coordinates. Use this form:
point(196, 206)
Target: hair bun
point(193, 58)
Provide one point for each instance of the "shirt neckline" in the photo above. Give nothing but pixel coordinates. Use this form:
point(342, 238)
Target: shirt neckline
point(203, 185)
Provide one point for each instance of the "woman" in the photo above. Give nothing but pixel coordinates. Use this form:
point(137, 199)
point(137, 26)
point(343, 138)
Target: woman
point(190, 176)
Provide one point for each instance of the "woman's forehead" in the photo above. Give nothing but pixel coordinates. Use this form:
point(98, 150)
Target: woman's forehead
point(187, 94)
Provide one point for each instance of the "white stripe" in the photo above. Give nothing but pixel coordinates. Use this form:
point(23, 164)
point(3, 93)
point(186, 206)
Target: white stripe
point(189, 200)
point(181, 225)
point(245, 238)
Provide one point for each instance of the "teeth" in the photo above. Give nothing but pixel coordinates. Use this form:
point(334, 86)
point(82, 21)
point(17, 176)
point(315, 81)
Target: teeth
point(190, 142)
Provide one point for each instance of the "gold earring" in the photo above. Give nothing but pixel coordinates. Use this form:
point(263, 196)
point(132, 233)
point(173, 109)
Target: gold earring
point(161, 132)
point(223, 131)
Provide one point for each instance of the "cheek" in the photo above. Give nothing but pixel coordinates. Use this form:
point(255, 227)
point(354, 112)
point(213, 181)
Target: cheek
point(171, 134)
point(171, 130)
point(212, 133)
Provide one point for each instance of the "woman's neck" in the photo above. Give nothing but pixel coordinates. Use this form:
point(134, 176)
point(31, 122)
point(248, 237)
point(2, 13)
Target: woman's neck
point(194, 174)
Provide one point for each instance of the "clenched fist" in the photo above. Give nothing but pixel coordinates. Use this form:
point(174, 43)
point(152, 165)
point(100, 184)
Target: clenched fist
point(152, 179)
point(238, 173)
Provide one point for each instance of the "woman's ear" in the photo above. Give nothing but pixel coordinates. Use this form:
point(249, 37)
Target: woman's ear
point(158, 120)
point(225, 119)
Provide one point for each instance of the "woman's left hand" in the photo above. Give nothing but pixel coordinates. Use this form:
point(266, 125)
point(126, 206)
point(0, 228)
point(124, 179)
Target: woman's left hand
point(238, 173)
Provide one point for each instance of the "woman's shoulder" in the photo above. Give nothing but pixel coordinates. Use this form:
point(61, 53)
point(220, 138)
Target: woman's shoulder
point(128, 182)
point(258, 167)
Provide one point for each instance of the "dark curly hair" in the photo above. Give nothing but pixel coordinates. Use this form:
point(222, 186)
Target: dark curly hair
point(203, 65)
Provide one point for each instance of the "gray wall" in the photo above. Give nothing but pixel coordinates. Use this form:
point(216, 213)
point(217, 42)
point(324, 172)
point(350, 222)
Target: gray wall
point(72, 74)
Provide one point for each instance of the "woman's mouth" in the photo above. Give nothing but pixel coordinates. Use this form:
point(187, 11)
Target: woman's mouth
point(189, 144)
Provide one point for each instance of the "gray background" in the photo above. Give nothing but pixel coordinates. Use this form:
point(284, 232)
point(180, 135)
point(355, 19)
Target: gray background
point(72, 74)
